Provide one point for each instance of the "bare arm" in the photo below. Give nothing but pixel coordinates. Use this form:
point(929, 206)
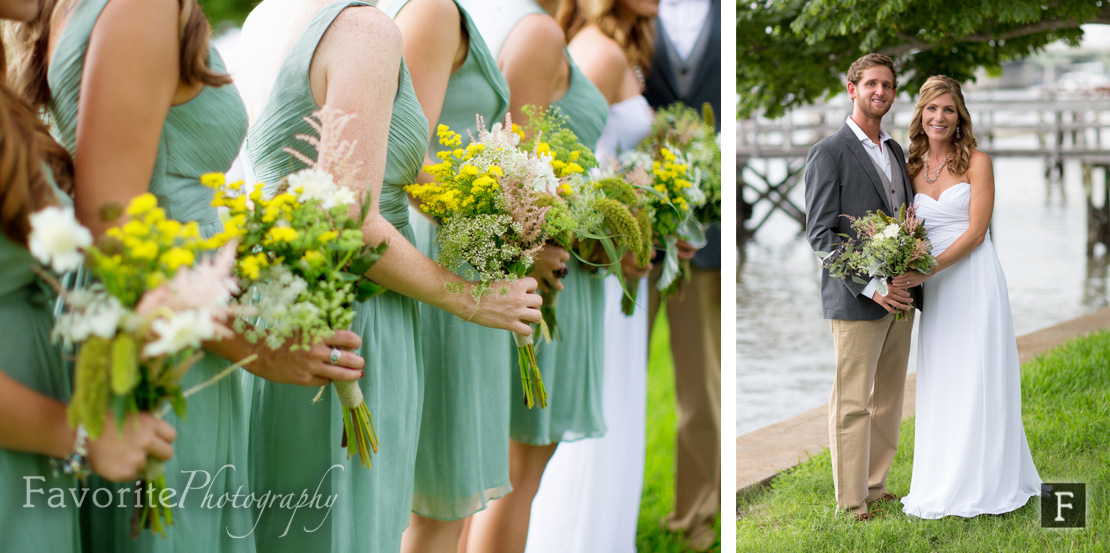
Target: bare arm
point(534, 64)
point(366, 85)
point(129, 82)
point(602, 61)
point(35, 423)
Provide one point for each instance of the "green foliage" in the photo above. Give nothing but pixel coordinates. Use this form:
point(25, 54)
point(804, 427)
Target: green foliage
point(795, 52)
point(125, 364)
point(227, 11)
point(90, 394)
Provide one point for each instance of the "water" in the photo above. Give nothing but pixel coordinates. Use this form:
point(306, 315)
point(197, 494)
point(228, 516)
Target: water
point(785, 359)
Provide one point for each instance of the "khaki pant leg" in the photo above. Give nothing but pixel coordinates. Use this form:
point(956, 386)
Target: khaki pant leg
point(694, 319)
point(886, 404)
point(859, 344)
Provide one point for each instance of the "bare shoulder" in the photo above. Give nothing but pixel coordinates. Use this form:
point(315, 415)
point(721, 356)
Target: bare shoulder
point(979, 159)
point(539, 31)
point(137, 16)
point(593, 49)
point(438, 9)
point(360, 33)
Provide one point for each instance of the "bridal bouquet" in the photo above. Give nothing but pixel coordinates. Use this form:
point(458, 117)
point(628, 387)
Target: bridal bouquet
point(302, 261)
point(671, 190)
point(159, 291)
point(886, 247)
point(682, 127)
point(496, 205)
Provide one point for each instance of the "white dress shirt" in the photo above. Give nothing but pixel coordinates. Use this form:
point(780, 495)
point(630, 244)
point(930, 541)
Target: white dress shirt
point(683, 21)
point(879, 156)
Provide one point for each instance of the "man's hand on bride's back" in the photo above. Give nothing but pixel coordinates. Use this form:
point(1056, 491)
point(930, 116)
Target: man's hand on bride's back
point(895, 299)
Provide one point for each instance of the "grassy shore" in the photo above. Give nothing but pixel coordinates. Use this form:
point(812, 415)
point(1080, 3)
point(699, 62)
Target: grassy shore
point(658, 497)
point(1066, 411)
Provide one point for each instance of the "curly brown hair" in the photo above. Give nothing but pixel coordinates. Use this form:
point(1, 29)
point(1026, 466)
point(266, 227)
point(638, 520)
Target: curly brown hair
point(962, 145)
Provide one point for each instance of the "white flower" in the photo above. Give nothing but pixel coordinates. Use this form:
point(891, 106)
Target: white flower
point(92, 312)
point(185, 329)
point(56, 238)
point(314, 185)
point(344, 196)
point(891, 231)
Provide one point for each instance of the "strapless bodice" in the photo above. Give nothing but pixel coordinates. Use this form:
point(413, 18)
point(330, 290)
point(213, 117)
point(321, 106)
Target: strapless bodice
point(946, 217)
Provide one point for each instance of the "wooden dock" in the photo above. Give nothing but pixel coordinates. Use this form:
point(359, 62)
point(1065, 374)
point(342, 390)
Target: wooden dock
point(1065, 129)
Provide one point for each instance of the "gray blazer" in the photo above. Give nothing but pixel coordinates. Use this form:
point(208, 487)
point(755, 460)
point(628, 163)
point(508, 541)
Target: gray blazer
point(840, 178)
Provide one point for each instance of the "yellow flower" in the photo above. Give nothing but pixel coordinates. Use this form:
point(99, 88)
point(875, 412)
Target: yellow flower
point(282, 234)
point(251, 266)
point(177, 257)
point(330, 235)
point(136, 228)
point(141, 204)
point(313, 258)
point(168, 228)
point(190, 230)
point(212, 180)
point(565, 190)
point(144, 249)
point(496, 170)
point(154, 280)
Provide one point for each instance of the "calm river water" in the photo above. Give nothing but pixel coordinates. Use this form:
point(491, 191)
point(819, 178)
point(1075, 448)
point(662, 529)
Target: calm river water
point(785, 359)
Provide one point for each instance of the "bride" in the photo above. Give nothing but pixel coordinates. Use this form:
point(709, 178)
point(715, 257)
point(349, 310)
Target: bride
point(971, 456)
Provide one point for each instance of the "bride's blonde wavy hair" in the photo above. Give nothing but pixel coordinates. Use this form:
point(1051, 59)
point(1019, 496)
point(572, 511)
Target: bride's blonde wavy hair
point(935, 86)
point(635, 36)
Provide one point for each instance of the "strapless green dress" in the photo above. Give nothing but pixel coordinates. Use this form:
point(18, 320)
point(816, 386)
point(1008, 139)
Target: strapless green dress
point(210, 455)
point(295, 444)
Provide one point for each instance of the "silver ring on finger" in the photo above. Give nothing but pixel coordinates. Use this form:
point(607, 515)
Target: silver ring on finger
point(335, 353)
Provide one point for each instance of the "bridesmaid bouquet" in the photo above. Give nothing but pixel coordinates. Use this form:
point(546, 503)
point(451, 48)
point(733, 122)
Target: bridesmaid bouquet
point(160, 291)
point(496, 205)
point(886, 247)
point(671, 190)
point(682, 127)
point(600, 209)
point(301, 259)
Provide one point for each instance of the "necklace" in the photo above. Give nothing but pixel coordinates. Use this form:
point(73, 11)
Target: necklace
point(939, 169)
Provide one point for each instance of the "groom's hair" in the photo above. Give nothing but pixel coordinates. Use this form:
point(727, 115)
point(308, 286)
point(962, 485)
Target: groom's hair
point(855, 72)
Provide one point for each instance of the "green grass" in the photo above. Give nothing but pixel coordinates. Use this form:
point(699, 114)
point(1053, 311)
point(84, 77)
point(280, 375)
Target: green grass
point(1066, 411)
point(658, 496)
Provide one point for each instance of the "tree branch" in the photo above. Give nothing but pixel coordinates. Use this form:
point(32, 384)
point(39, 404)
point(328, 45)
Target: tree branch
point(911, 42)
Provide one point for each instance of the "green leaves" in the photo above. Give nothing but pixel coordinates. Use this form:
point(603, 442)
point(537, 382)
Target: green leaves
point(792, 53)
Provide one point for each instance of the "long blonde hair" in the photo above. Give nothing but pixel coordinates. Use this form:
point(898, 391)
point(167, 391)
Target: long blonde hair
point(33, 39)
point(636, 37)
point(963, 140)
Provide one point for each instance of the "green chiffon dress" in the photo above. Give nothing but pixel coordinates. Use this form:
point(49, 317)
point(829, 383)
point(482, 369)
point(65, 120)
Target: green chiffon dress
point(31, 358)
point(462, 461)
point(571, 366)
point(210, 454)
point(295, 444)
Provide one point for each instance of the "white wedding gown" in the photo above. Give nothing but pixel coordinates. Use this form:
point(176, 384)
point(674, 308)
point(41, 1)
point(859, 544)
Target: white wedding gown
point(589, 498)
point(971, 456)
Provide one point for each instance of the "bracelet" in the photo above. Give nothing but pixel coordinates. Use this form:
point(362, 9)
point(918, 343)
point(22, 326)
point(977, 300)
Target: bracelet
point(77, 462)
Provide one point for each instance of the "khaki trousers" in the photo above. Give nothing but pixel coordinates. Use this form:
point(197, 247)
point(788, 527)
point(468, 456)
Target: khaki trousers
point(695, 321)
point(865, 410)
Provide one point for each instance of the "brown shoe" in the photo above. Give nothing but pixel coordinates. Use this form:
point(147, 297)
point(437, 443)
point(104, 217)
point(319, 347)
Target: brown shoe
point(887, 496)
point(871, 515)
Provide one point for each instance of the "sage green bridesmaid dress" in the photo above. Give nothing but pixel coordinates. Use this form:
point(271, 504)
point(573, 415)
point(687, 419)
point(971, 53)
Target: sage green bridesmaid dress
point(462, 461)
point(210, 454)
point(571, 366)
point(31, 358)
point(295, 444)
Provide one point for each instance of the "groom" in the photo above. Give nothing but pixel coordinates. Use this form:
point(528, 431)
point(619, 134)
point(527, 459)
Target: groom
point(856, 170)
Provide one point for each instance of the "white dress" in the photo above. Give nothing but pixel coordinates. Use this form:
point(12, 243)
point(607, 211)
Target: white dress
point(971, 456)
point(589, 498)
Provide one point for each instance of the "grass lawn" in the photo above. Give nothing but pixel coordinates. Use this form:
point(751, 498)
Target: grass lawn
point(1066, 411)
point(658, 498)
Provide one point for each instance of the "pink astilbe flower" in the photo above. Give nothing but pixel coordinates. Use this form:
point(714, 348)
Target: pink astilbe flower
point(334, 154)
point(208, 286)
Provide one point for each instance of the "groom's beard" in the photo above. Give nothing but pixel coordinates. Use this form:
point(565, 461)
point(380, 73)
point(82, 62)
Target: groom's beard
point(871, 110)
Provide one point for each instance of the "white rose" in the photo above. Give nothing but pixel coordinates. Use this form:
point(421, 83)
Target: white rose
point(891, 231)
point(57, 238)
